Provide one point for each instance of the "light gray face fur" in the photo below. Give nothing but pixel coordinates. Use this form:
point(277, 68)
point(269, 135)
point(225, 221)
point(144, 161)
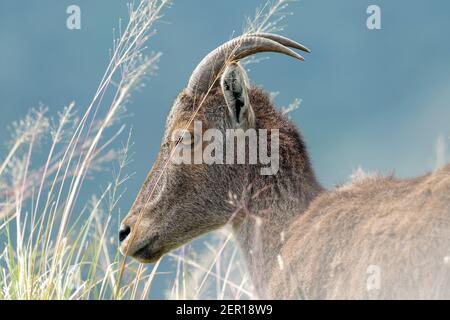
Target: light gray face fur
point(180, 202)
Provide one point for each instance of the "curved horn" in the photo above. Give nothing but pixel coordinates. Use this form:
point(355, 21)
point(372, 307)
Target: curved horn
point(282, 40)
point(206, 73)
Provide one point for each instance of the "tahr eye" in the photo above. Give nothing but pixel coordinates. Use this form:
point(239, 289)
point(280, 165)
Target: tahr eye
point(185, 138)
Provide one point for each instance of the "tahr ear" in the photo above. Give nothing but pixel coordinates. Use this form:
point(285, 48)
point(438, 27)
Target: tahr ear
point(234, 83)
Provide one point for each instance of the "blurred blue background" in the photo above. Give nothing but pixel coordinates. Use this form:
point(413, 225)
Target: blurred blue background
point(378, 99)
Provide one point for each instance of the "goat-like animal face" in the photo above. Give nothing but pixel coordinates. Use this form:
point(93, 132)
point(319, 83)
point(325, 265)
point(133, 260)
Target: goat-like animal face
point(179, 202)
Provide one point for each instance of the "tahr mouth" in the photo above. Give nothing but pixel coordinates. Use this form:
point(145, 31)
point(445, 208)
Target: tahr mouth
point(148, 252)
point(147, 255)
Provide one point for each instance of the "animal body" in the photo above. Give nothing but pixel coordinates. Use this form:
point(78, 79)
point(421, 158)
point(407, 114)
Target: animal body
point(377, 238)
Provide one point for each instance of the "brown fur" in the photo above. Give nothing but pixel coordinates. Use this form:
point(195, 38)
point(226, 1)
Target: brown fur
point(401, 226)
point(300, 241)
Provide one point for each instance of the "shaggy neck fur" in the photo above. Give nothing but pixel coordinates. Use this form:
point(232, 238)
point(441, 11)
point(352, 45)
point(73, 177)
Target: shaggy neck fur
point(273, 202)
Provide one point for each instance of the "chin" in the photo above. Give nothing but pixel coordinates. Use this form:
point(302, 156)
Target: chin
point(148, 256)
point(148, 260)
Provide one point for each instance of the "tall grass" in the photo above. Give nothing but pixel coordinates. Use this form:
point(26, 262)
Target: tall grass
point(54, 244)
point(56, 247)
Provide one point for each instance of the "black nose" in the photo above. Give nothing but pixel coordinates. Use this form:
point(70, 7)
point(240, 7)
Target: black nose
point(124, 232)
